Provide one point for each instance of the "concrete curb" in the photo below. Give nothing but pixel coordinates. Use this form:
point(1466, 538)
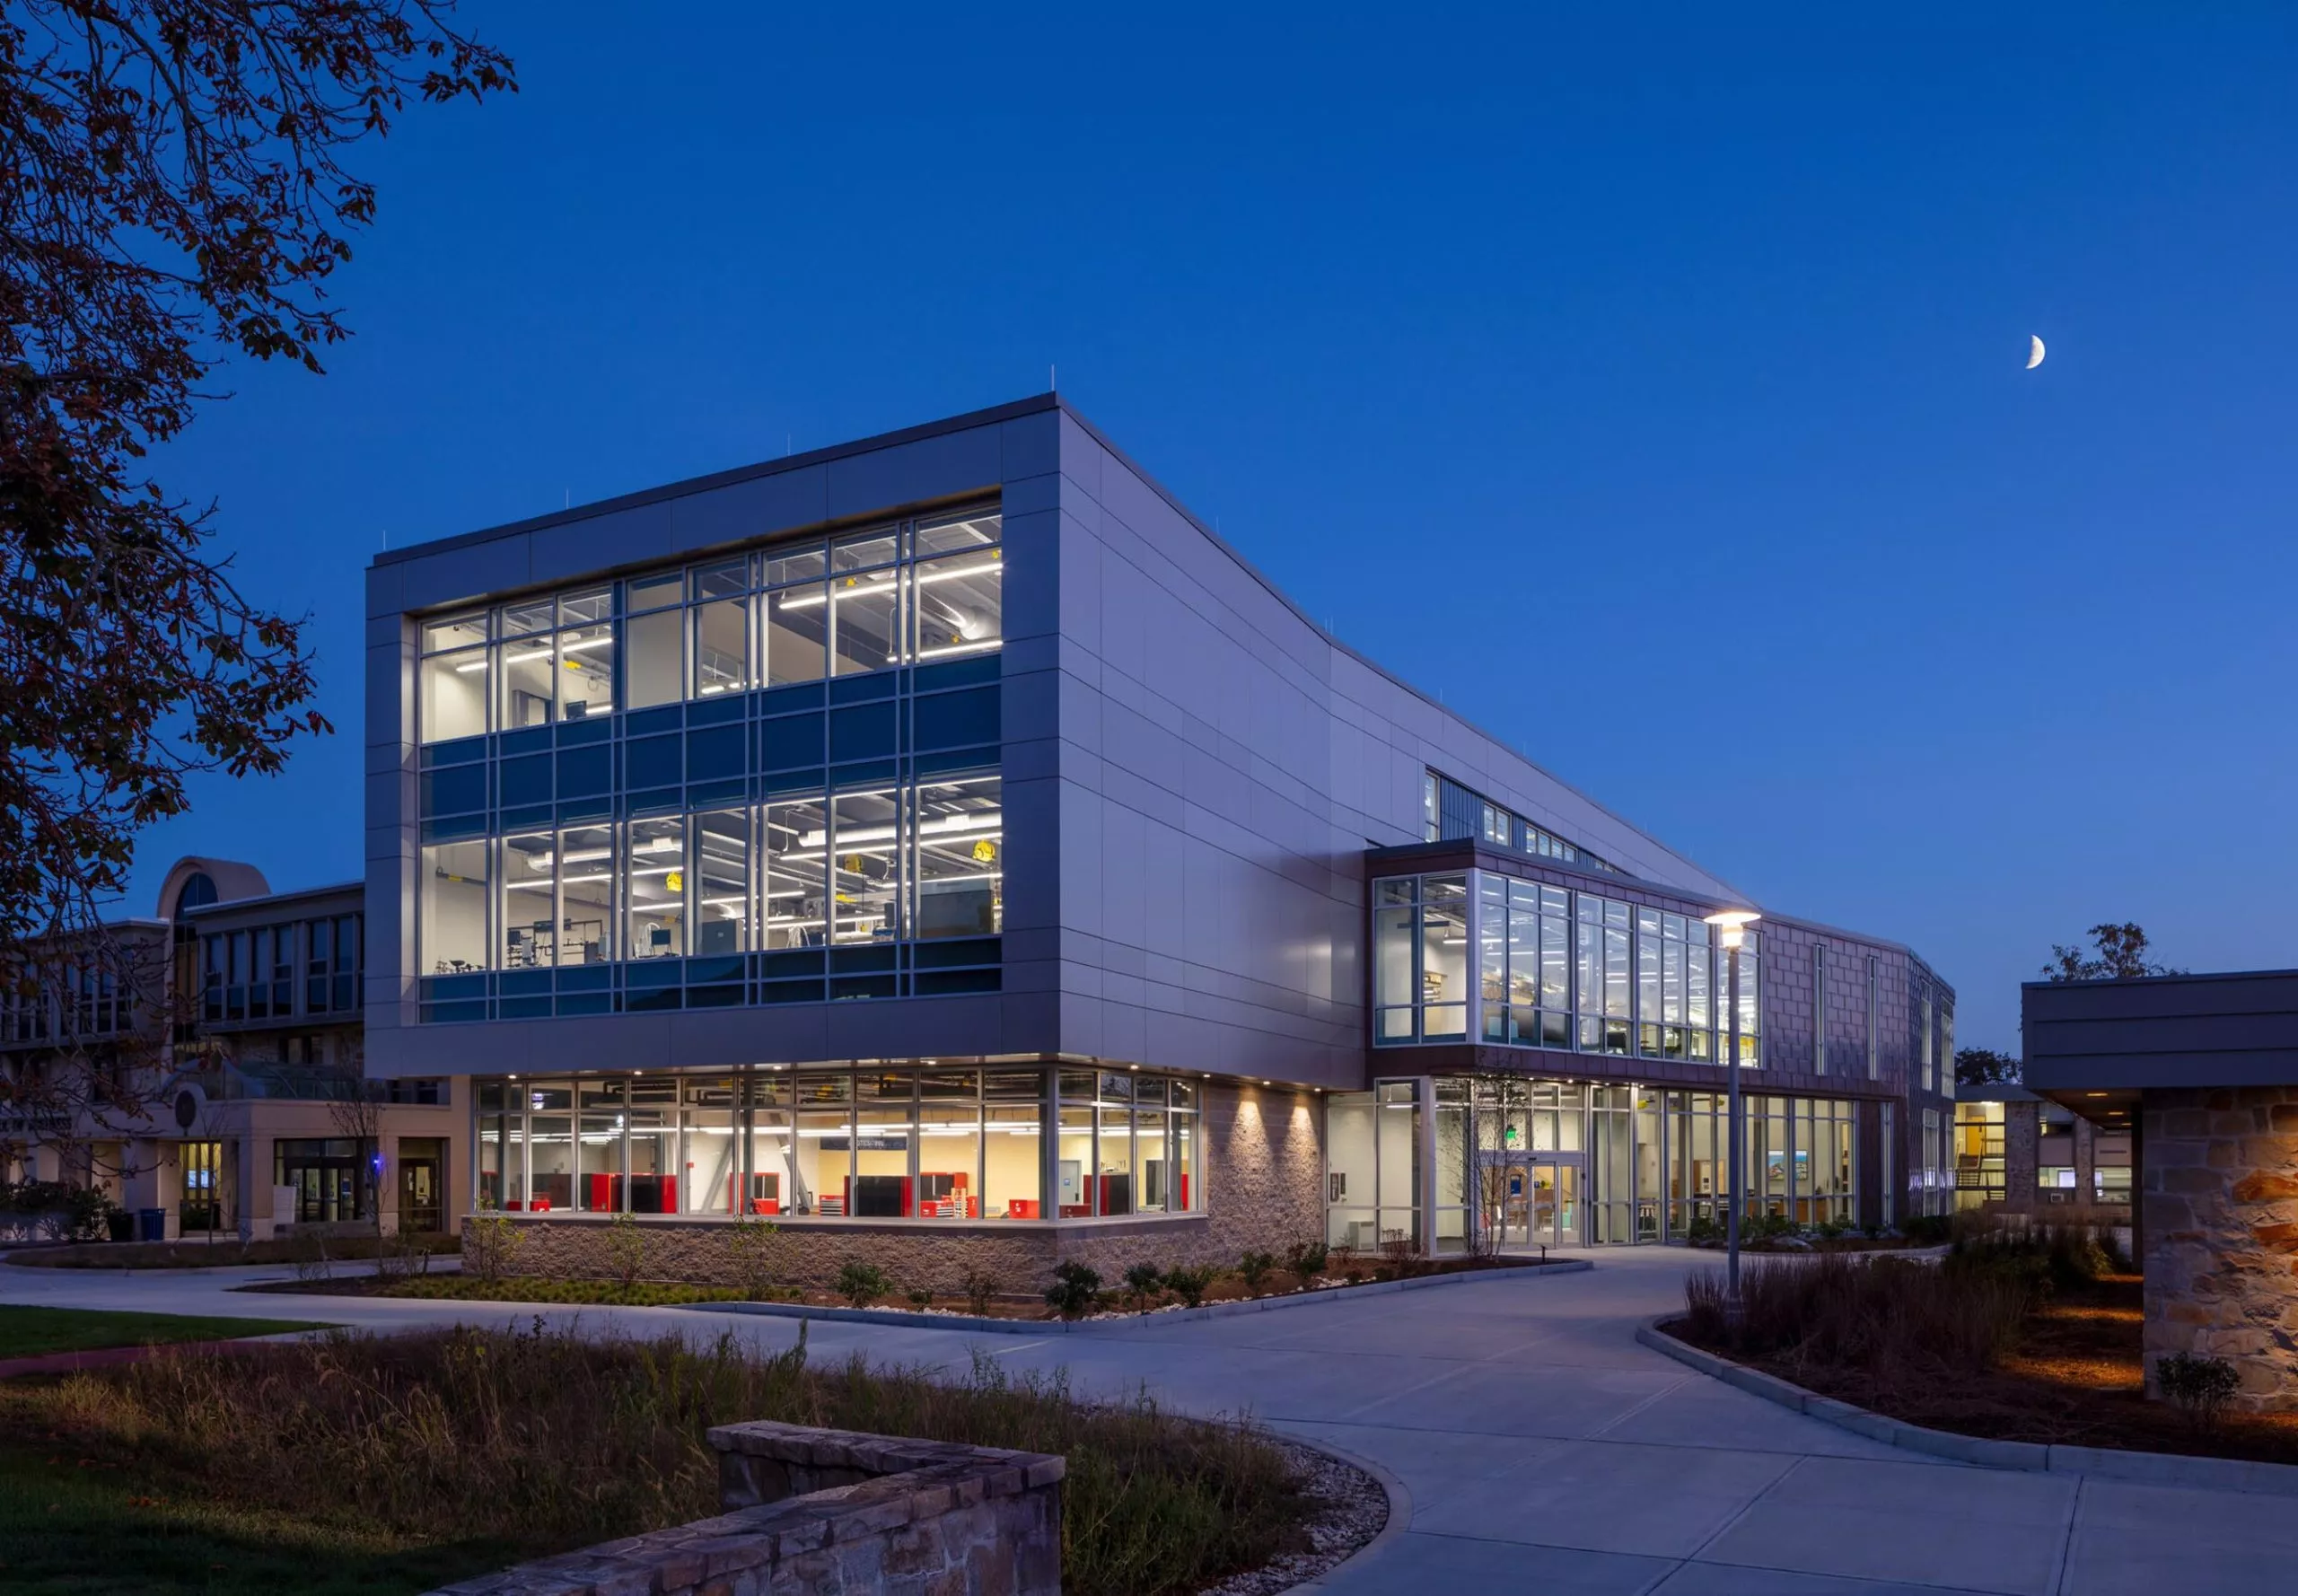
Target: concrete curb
point(1399, 1518)
point(2141, 1467)
point(1058, 1327)
point(346, 1269)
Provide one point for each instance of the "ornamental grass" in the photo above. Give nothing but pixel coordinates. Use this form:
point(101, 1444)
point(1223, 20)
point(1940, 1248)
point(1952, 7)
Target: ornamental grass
point(521, 1443)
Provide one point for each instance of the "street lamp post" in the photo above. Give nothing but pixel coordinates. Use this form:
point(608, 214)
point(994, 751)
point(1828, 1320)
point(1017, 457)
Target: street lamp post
point(1732, 928)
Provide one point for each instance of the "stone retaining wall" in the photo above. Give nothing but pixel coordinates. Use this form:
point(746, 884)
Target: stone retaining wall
point(1264, 1184)
point(833, 1513)
point(2220, 1233)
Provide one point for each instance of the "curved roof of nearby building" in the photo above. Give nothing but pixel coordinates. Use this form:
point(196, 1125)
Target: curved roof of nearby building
point(230, 878)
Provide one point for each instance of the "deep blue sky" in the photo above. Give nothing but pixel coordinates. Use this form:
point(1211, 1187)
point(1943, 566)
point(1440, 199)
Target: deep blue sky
point(1652, 388)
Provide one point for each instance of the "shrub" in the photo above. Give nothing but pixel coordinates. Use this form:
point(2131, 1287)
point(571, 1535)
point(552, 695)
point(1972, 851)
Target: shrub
point(1307, 1260)
point(861, 1284)
point(1075, 1290)
point(920, 1298)
point(980, 1285)
point(309, 1259)
point(1190, 1284)
point(1928, 1230)
point(490, 1242)
point(1833, 1230)
point(1400, 1257)
point(1892, 1319)
point(627, 1249)
point(2065, 1257)
point(1140, 1281)
point(1255, 1267)
point(1703, 1231)
point(2198, 1387)
point(752, 1256)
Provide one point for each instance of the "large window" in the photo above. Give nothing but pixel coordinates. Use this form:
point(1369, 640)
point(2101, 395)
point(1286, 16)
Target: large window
point(1421, 958)
point(1555, 969)
point(1373, 1165)
point(1606, 1011)
point(1524, 934)
point(903, 1144)
point(275, 972)
point(1673, 973)
point(765, 788)
point(799, 611)
point(1980, 1177)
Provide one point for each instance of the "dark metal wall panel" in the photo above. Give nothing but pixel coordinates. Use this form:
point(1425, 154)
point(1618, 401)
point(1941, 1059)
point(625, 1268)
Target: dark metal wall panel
point(2232, 1030)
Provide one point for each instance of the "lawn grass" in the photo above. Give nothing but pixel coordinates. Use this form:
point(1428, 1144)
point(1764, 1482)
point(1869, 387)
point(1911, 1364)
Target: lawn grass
point(75, 1524)
point(398, 1463)
point(29, 1332)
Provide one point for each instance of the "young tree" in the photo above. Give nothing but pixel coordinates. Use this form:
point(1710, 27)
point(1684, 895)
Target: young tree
point(1984, 1066)
point(2120, 955)
point(171, 195)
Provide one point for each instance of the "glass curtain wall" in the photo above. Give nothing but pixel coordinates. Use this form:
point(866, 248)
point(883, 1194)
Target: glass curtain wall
point(1607, 1163)
point(916, 862)
point(624, 834)
point(1373, 1166)
point(922, 1144)
point(796, 611)
point(1555, 969)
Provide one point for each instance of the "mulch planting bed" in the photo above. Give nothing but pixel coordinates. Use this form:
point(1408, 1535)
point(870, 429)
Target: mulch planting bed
point(2074, 1379)
point(1115, 1302)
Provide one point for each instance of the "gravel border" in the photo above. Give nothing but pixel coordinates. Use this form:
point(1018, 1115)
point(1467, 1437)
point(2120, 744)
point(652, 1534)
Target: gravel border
point(2146, 1467)
point(1362, 1509)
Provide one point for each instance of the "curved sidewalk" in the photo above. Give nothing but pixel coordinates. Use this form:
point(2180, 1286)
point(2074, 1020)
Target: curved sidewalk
point(1543, 1450)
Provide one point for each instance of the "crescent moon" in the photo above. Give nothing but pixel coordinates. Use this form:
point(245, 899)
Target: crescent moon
point(2035, 353)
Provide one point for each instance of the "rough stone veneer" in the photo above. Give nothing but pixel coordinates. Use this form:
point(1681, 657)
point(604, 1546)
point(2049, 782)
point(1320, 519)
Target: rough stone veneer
point(1264, 1170)
point(833, 1513)
point(2221, 1233)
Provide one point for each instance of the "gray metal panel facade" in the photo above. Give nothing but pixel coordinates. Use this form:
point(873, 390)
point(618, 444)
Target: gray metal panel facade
point(2233, 1030)
point(1222, 766)
point(1192, 773)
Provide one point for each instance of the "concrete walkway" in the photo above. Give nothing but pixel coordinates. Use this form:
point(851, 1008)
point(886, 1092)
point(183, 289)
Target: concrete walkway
point(1543, 1449)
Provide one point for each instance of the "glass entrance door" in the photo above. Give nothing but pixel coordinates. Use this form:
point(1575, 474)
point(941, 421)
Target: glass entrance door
point(1557, 1193)
point(420, 1187)
point(1505, 1189)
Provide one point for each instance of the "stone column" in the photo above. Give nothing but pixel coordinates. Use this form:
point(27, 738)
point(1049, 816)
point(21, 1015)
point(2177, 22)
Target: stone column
point(2216, 1223)
point(2022, 1126)
point(257, 1221)
point(2086, 1164)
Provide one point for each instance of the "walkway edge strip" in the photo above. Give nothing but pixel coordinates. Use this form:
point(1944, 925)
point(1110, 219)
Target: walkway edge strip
point(2138, 1468)
point(1399, 1518)
point(900, 1319)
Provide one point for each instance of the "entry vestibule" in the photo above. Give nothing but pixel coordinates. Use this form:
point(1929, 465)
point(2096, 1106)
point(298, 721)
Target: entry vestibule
point(1521, 1162)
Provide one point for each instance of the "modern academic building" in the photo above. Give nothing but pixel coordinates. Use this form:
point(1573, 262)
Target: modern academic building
point(944, 838)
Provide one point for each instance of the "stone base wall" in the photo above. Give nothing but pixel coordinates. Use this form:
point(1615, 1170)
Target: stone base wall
point(2220, 1234)
point(1264, 1174)
point(833, 1513)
